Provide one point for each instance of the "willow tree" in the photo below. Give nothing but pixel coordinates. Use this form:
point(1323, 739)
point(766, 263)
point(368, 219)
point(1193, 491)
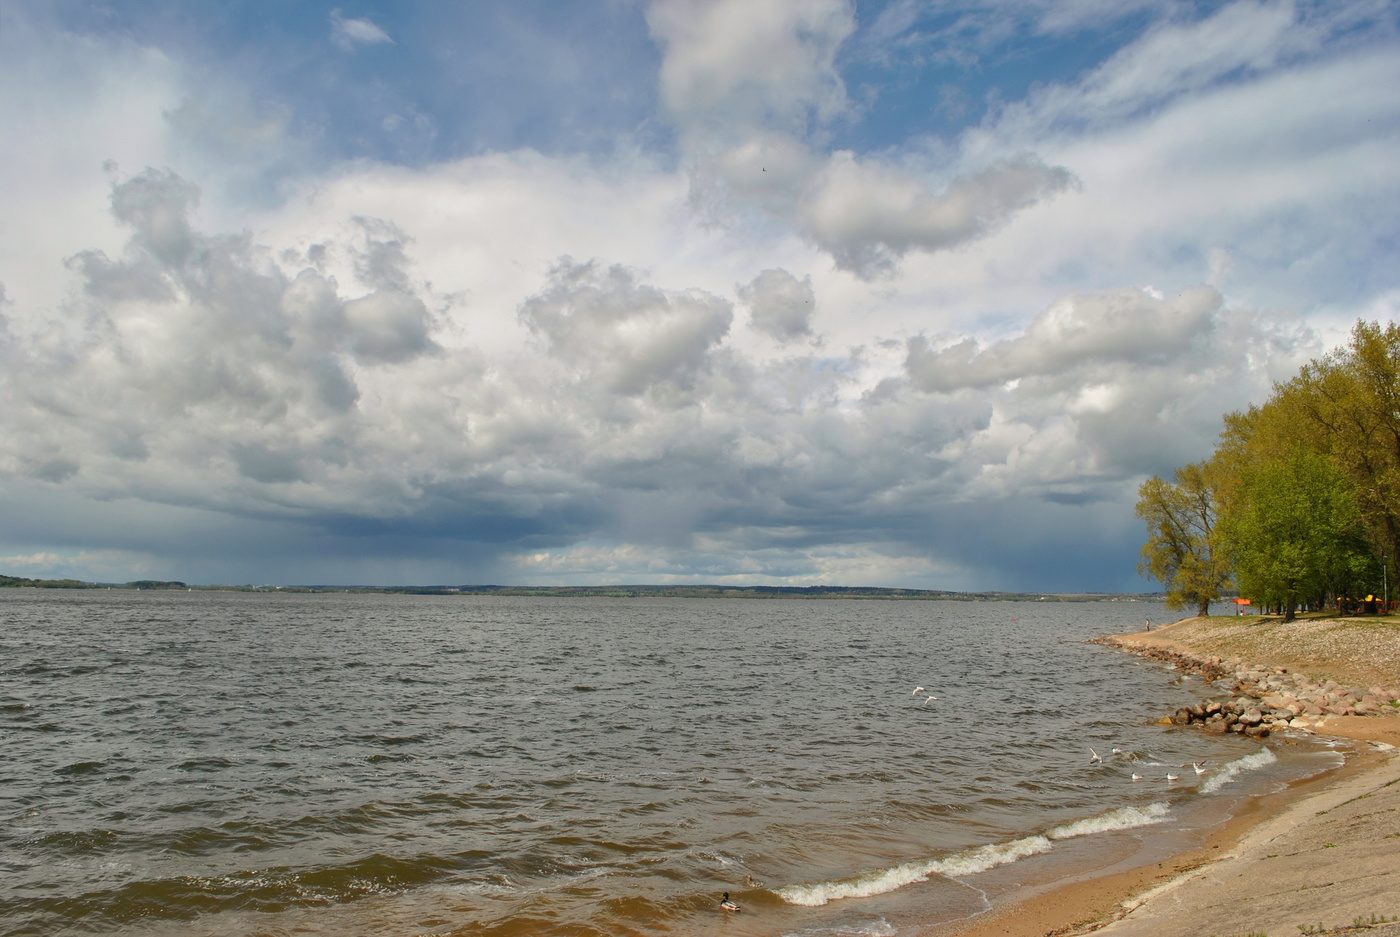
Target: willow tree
point(1182, 549)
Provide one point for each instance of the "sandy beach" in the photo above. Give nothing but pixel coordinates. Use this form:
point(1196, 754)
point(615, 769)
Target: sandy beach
point(1320, 858)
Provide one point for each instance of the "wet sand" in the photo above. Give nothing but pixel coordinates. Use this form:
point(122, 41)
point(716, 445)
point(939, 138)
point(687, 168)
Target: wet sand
point(1321, 854)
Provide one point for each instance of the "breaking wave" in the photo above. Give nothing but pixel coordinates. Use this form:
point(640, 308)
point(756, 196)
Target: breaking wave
point(1234, 769)
point(970, 861)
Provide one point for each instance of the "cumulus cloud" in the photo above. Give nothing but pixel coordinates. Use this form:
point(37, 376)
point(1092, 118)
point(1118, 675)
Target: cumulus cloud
point(1130, 327)
point(780, 305)
point(732, 67)
point(519, 364)
point(347, 33)
point(751, 87)
point(625, 336)
point(868, 216)
point(631, 436)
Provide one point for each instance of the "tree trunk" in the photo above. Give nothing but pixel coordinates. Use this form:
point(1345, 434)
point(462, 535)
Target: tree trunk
point(1203, 608)
point(1288, 611)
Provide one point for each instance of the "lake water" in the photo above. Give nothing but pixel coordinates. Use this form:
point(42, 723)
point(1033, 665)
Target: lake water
point(268, 764)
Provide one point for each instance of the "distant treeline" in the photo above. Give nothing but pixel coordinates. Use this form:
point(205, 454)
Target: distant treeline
point(684, 592)
point(1300, 503)
point(13, 582)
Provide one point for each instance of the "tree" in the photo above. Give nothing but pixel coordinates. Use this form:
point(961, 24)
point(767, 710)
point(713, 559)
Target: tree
point(1349, 406)
point(1181, 551)
point(1294, 533)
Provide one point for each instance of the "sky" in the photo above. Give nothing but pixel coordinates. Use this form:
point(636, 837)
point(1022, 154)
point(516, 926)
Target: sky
point(786, 292)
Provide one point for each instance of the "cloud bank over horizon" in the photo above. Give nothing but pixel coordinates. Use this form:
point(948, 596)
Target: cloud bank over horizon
point(792, 292)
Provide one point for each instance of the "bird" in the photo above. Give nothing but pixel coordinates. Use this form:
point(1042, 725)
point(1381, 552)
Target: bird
point(1172, 777)
point(930, 700)
point(752, 882)
point(1199, 767)
point(1136, 776)
point(1094, 759)
point(727, 905)
point(1118, 751)
point(917, 691)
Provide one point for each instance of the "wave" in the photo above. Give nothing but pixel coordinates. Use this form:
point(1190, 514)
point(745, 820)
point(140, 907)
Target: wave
point(970, 861)
point(1234, 769)
point(1124, 818)
point(877, 928)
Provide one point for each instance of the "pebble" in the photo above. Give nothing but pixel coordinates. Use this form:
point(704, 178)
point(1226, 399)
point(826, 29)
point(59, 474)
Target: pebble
point(1264, 698)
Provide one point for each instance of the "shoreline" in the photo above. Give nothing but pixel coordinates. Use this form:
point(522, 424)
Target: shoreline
point(1330, 841)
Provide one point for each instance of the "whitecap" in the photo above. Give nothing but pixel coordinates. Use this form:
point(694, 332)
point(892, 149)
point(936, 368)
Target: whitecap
point(969, 861)
point(1124, 818)
point(880, 881)
point(1234, 769)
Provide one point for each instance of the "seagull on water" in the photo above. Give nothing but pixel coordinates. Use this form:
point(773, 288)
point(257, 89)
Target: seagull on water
point(1094, 757)
point(1136, 776)
point(1172, 777)
point(727, 905)
point(1199, 767)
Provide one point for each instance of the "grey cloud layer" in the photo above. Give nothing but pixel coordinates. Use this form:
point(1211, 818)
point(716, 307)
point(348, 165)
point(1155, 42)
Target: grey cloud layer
point(211, 372)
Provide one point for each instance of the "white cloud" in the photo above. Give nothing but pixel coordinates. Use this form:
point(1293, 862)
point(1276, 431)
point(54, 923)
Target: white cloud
point(349, 33)
point(780, 305)
point(1126, 326)
point(732, 67)
point(400, 374)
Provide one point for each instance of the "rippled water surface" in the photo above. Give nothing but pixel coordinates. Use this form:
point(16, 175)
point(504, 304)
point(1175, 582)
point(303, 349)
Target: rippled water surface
point(239, 764)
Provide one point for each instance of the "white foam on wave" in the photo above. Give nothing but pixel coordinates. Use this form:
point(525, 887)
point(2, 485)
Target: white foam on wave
point(1234, 769)
point(969, 861)
point(880, 881)
point(1124, 818)
point(877, 928)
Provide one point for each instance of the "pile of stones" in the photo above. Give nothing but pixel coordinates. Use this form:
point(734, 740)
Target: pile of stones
point(1265, 699)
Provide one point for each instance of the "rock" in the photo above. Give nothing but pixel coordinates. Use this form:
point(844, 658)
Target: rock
point(1257, 732)
point(1252, 717)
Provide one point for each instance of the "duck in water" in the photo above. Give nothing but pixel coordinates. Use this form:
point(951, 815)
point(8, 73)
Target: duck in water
point(727, 905)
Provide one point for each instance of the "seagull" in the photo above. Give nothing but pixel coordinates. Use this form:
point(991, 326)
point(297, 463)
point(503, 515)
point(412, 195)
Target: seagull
point(1199, 767)
point(1095, 759)
point(930, 700)
point(727, 905)
point(1118, 751)
point(1136, 776)
point(1172, 777)
point(917, 691)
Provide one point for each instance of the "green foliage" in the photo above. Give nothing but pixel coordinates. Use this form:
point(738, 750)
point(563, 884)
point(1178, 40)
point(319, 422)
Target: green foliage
point(1296, 532)
point(1182, 551)
point(1302, 492)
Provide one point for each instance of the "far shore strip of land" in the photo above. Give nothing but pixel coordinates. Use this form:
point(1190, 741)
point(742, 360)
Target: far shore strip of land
point(1322, 858)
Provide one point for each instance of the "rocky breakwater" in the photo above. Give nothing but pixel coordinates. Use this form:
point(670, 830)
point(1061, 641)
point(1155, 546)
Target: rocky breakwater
point(1263, 699)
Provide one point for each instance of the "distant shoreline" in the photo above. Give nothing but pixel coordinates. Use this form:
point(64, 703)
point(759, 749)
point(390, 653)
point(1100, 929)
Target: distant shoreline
point(614, 591)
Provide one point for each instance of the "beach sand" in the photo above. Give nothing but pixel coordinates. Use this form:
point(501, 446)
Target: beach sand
point(1322, 855)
